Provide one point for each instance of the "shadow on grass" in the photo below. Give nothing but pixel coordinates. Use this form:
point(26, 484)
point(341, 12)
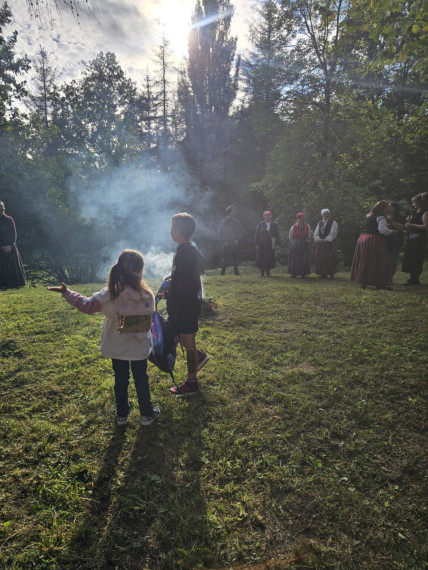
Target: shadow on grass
point(86, 537)
point(143, 513)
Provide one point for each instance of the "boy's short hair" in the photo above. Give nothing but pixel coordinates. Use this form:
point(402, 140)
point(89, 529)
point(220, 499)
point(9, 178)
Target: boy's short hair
point(229, 209)
point(184, 224)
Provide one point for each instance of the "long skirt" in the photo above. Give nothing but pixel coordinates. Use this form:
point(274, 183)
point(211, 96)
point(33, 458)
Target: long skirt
point(414, 254)
point(325, 258)
point(265, 256)
point(299, 262)
point(12, 274)
point(370, 261)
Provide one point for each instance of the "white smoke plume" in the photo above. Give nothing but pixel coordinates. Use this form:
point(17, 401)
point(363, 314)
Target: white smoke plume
point(131, 207)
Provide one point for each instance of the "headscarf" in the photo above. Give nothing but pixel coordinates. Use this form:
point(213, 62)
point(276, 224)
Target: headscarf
point(325, 211)
point(300, 215)
point(267, 213)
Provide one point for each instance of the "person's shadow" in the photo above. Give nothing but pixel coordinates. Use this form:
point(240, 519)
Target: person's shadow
point(82, 543)
point(154, 515)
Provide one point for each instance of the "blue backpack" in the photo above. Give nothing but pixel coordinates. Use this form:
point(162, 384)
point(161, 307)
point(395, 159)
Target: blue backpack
point(164, 337)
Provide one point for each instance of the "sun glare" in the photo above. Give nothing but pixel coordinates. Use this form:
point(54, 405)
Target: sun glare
point(174, 24)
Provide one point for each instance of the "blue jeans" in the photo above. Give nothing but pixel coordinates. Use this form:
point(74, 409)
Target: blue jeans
point(121, 383)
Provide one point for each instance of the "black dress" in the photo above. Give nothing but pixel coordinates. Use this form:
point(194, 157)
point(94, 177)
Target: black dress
point(414, 250)
point(12, 274)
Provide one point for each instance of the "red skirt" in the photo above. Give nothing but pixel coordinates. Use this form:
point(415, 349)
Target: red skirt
point(370, 261)
point(325, 258)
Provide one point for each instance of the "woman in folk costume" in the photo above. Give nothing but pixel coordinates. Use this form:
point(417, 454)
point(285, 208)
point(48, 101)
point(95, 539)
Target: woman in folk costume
point(370, 261)
point(394, 242)
point(417, 226)
point(12, 274)
point(267, 239)
point(325, 238)
point(299, 262)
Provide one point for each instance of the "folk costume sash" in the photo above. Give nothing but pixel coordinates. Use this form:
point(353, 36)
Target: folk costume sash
point(300, 232)
point(324, 229)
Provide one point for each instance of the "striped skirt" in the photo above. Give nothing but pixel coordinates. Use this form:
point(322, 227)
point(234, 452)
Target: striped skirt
point(325, 258)
point(370, 261)
point(299, 261)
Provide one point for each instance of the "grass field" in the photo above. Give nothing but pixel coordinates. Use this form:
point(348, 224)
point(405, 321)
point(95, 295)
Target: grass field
point(305, 448)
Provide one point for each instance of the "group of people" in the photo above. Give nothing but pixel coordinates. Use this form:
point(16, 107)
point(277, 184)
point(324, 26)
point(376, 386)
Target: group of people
point(376, 253)
point(374, 263)
point(267, 241)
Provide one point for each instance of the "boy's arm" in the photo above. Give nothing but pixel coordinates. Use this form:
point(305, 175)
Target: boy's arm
point(221, 231)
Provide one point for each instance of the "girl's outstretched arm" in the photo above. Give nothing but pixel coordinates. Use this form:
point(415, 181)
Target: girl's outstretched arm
point(88, 305)
point(61, 289)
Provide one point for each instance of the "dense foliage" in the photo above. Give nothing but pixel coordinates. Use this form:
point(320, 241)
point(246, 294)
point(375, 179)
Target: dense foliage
point(327, 109)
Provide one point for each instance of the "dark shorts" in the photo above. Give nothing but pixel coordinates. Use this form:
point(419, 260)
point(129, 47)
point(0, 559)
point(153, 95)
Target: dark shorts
point(185, 323)
point(189, 325)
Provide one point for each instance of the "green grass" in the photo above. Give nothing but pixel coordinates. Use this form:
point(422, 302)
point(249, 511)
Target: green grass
point(304, 449)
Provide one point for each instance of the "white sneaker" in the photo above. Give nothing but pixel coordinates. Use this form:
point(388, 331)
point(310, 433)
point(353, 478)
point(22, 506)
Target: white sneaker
point(147, 420)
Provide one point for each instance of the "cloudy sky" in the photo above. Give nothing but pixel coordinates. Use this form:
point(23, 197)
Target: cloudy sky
point(130, 28)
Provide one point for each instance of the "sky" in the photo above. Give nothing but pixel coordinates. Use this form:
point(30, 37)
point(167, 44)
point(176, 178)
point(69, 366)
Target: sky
point(132, 29)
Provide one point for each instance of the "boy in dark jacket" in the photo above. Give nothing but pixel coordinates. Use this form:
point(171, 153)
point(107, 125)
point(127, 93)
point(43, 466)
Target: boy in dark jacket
point(184, 299)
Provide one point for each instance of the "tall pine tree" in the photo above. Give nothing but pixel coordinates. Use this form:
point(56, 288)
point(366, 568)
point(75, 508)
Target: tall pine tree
point(206, 92)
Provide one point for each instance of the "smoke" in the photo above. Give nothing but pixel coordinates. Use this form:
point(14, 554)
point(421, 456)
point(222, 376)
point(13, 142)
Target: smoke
point(131, 208)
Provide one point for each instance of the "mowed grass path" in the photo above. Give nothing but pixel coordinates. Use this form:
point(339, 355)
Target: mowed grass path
point(305, 448)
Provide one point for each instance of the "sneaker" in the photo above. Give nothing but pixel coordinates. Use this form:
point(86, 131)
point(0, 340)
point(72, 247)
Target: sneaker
point(185, 389)
point(122, 420)
point(203, 358)
point(147, 420)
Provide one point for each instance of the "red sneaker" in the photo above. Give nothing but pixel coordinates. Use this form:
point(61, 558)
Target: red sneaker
point(185, 389)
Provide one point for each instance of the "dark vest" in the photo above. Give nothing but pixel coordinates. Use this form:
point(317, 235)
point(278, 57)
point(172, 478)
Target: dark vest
point(324, 229)
point(370, 225)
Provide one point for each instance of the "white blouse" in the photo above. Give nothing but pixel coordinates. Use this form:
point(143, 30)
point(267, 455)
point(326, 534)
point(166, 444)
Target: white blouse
point(331, 236)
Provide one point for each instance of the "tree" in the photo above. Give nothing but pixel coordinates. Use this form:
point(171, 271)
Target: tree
point(44, 81)
point(266, 71)
point(10, 66)
point(353, 127)
point(163, 83)
point(207, 90)
point(98, 116)
point(318, 53)
point(149, 105)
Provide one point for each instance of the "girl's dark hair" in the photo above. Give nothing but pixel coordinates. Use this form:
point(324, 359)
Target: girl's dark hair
point(126, 272)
